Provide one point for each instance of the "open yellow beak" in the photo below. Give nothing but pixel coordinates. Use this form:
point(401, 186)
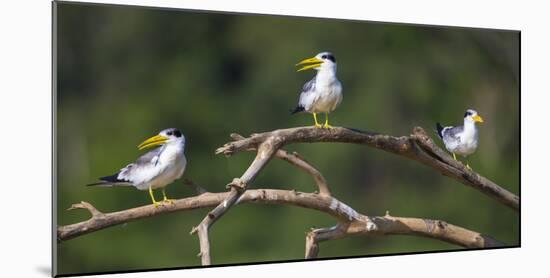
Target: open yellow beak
point(310, 63)
point(153, 141)
point(478, 119)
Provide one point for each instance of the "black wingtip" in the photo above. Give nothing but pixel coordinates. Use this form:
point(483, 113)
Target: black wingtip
point(111, 179)
point(297, 110)
point(439, 130)
point(96, 183)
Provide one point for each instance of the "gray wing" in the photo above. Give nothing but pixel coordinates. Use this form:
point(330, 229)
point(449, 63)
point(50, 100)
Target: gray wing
point(307, 97)
point(148, 160)
point(150, 157)
point(451, 134)
point(310, 85)
point(128, 175)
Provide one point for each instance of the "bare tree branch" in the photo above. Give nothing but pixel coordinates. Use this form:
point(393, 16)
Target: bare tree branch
point(433, 156)
point(318, 235)
point(418, 146)
point(351, 222)
point(265, 152)
point(390, 225)
point(298, 161)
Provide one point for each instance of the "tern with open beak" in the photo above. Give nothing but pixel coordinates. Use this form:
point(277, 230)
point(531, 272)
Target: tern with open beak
point(462, 139)
point(323, 93)
point(155, 169)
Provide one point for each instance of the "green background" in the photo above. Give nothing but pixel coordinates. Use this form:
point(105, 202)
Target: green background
point(125, 73)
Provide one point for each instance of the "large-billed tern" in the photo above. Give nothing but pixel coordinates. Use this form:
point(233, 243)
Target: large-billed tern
point(323, 93)
point(156, 168)
point(461, 140)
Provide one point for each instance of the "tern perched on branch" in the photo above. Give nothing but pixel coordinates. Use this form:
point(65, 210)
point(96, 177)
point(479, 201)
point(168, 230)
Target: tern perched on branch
point(156, 168)
point(462, 139)
point(323, 93)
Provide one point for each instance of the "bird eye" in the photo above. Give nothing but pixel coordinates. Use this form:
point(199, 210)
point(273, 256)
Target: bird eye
point(177, 133)
point(169, 133)
point(324, 56)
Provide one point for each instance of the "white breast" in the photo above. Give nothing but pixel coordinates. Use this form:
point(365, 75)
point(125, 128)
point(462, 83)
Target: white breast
point(328, 96)
point(169, 167)
point(468, 142)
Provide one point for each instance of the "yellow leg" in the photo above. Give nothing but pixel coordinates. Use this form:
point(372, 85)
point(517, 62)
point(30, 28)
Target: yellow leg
point(153, 197)
point(468, 166)
point(165, 198)
point(326, 122)
point(454, 156)
point(317, 124)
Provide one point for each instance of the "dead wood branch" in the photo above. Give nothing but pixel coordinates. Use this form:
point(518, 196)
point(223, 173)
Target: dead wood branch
point(298, 161)
point(238, 186)
point(352, 222)
point(390, 225)
point(418, 146)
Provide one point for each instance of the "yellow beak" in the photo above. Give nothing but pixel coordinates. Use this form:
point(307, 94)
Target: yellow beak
point(153, 141)
point(478, 119)
point(311, 64)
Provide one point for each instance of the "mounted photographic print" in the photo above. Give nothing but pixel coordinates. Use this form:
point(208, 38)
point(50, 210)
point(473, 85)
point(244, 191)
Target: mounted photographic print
point(188, 138)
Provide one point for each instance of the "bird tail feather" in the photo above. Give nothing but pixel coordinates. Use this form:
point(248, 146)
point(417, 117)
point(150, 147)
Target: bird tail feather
point(100, 184)
point(110, 181)
point(439, 130)
point(298, 109)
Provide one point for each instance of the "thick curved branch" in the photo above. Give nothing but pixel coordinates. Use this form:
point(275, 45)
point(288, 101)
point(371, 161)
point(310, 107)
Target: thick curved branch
point(357, 224)
point(390, 225)
point(265, 150)
point(431, 155)
point(417, 146)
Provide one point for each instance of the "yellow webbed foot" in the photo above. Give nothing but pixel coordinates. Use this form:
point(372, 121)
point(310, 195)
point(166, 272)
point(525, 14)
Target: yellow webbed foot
point(468, 166)
point(153, 198)
point(317, 124)
point(326, 125)
point(165, 199)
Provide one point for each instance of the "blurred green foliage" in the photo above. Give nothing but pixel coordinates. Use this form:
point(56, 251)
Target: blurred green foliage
point(125, 73)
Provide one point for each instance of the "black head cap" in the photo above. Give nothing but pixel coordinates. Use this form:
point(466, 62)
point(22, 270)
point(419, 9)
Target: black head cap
point(328, 56)
point(172, 132)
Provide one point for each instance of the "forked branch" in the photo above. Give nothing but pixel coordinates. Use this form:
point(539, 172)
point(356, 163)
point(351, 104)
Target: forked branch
point(353, 223)
point(238, 186)
point(298, 161)
point(390, 225)
point(417, 146)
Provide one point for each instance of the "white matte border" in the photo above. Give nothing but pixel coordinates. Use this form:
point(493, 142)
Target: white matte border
point(25, 121)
